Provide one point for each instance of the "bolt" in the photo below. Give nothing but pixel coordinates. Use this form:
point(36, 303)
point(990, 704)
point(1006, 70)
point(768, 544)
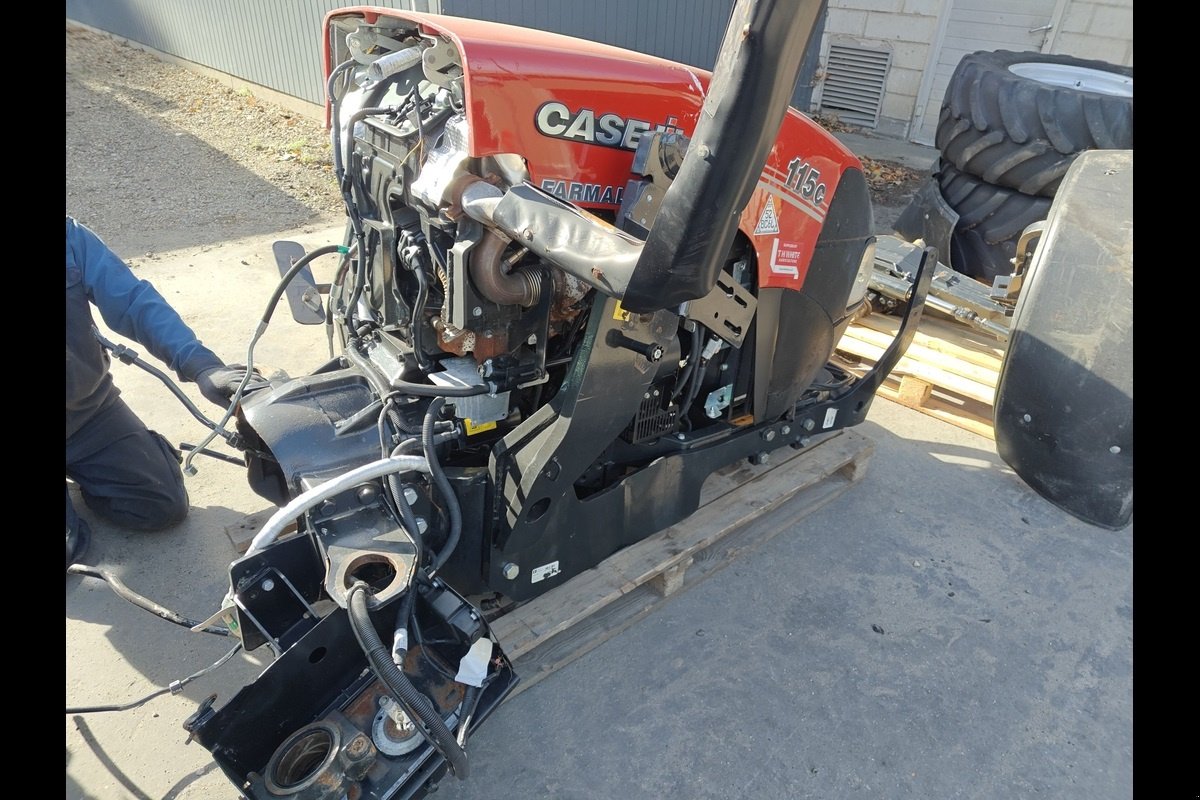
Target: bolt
point(510, 571)
point(646, 396)
point(768, 434)
point(532, 340)
point(357, 746)
point(476, 312)
point(656, 393)
point(808, 424)
point(410, 494)
point(760, 459)
point(268, 585)
point(422, 524)
point(328, 507)
point(724, 367)
point(527, 234)
point(649, 196)
point(1116, 448)
point(679, 436)
point(703, 151)
point(366, 495)
point(1026, 418)
point(487, 334)
point(785, 430)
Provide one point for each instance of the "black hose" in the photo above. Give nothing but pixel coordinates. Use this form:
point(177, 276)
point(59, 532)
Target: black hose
point(414, 702)
point(335, 114)
point(204, 451)
point(418, 311)
point(443, 485)
point(141, 602)
point(129, 356)
point(174, 688)
point(693, 355)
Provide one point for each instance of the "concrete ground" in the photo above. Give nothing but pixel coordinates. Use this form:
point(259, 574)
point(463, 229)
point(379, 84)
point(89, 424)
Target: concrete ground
point(937, 632)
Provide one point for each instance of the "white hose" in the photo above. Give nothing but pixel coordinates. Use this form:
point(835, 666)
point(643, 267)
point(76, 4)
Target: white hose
point(303, 502)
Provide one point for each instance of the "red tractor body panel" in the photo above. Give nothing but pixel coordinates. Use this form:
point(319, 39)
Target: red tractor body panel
point(575, 111)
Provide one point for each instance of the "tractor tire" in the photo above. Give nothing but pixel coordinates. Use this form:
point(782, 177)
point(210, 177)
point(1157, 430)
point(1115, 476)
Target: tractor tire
point(1018, 120)
point(990, 221)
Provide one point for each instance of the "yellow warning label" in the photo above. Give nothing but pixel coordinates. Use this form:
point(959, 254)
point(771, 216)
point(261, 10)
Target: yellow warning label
point(620, 313)
point(473, 429)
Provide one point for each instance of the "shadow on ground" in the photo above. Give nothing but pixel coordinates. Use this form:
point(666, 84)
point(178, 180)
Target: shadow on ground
point(134, 203)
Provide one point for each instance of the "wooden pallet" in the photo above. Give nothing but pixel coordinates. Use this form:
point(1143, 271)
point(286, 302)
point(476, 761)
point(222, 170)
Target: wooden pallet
point(949, 371)
point(558, 627)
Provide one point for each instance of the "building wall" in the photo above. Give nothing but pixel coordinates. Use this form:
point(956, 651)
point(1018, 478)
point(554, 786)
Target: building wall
point(1099, 29)
point(904, 27)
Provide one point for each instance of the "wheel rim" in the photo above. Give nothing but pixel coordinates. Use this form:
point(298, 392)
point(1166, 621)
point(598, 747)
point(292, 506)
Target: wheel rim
point(1072, 77)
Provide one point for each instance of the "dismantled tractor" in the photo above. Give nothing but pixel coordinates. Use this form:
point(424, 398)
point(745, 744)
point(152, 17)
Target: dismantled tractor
point(576, 280)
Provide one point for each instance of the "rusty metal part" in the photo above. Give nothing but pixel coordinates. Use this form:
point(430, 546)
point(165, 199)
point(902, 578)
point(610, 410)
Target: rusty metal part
point(392, 731)
point(569, 293)
point(452, 339)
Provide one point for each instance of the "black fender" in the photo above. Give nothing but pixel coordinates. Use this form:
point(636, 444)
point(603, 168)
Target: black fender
point(1064, 399)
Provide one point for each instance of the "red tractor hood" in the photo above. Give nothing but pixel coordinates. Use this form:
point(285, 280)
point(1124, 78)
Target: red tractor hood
point(575, 111)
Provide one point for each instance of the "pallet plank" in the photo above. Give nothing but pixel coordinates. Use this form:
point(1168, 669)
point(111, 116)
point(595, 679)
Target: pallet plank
point(943, 337)
point(927, 372)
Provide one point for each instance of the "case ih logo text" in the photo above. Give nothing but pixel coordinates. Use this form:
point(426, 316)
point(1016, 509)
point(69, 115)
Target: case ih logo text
point(554, 119)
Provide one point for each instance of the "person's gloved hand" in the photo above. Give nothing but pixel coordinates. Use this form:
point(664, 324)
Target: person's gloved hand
point(218, 384)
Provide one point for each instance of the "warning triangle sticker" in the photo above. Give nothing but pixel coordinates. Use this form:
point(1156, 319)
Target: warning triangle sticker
point(768, 223)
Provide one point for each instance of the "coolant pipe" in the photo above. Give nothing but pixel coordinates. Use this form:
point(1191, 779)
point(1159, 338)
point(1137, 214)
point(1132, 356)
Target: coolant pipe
point(318, 494)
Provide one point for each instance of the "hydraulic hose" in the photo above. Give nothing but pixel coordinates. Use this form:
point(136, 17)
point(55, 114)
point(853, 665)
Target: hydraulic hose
point(175, 687)
point(693, 355)
point(443, 485)
point(144, 603)
point(322, 492)
point(418, 311)
point(414, 702)
point(335, 107)
point(127, 355)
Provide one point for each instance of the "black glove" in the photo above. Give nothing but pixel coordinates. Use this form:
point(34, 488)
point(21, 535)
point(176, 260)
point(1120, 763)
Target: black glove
point(218, 384)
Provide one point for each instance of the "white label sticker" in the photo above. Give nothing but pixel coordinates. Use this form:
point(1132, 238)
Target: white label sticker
point(544, 571)
point(830, 416)
point(768, 222)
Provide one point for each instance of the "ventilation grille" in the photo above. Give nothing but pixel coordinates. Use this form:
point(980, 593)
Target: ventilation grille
point(854, 82)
